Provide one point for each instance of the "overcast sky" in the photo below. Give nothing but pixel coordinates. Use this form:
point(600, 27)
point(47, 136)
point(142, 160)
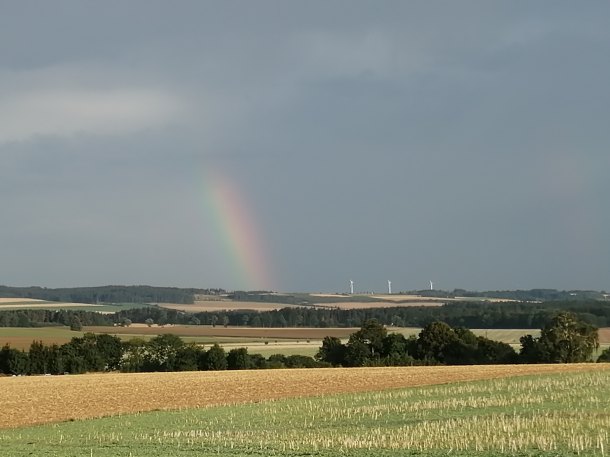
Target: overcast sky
point(461, 142)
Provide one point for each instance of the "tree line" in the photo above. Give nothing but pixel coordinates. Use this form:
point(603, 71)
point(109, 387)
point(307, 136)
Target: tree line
point(101, 352)
point(456, 314)
point(108, 294)
point(565, 339)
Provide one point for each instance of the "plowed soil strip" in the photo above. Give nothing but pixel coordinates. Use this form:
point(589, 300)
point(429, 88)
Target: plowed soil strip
point(40, 399)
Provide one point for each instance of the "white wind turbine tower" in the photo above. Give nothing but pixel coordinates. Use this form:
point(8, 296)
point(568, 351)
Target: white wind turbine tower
point(431, 285)
point(351, 287)
point(389, 287)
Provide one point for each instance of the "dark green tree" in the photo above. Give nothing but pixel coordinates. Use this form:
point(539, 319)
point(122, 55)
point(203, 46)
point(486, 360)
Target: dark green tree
point(39, 358)
point(372, 334)
point(215, 359)
point(55, 363)
point(365, 347)
point(110, 349)
point(162, 351)
point(134, 355)
point(332, 351)
point(258, 362)
point(276, 361)
point(464, 350)
point(604, 357)
point(187, 357)
point(435, 342)
point(13, 361)
point(357, 354)
point(569, 339)
point(396, 350)
point(565, 339)
point(76, 324)
point(533, 350)
point(301, 361)
point(494, 352)
point(238, 359)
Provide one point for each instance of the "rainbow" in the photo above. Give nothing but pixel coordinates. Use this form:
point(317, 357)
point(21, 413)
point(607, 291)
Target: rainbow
point(236, 229)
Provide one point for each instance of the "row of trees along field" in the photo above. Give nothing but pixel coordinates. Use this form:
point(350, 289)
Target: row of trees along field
point(108, 294)
point(565, 339)
point(101, 352)
point(457, 314)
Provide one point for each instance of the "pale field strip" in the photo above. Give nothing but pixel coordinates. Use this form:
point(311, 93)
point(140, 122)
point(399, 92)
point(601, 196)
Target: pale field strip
point(420, 298)
point(279, 346)
point(20, 300)
point(393, 297)
point(417, 298)
point(221, 305)
point(377, 304)
point(45, 305)
point(42, 399)
point(220, 331)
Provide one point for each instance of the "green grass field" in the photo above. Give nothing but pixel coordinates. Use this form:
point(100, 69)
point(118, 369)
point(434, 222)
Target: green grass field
point(549, 415)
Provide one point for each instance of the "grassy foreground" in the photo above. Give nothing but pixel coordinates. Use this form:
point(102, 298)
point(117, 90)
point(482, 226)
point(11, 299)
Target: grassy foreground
point(544, 415)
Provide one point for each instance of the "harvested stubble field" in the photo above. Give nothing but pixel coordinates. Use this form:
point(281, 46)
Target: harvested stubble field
point(225, 305)
point(10, 301)
point(23, 303)
point(553, 415)
point(378, 304)
point(41, 399)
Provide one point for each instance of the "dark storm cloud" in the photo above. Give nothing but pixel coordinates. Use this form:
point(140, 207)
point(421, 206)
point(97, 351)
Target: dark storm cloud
point(464, 143)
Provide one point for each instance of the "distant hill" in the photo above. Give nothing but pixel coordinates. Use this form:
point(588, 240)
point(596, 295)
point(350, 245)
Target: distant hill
point(108, 294)
point(151, 294)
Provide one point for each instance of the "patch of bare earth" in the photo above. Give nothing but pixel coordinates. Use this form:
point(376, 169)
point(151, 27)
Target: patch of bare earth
point(40, 399)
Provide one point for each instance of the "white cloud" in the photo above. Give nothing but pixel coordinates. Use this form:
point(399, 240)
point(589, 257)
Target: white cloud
point(81, 98)
point(66, 112)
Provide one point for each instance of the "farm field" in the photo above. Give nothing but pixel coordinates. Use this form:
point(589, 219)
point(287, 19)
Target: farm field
point(343, 302)
point(7, 304)
point(39, 399)
point(561, 410)
point(378, 304)
point(304, 341)
point(263, 333)
point(224, 305)
point(263, 340)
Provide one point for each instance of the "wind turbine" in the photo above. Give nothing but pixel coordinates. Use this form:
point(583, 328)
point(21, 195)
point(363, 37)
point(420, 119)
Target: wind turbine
point(431, 285)
point(389, 287)
point(351, 287)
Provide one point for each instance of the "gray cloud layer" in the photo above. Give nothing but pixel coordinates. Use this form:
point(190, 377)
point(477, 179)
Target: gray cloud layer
point(465, 143)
